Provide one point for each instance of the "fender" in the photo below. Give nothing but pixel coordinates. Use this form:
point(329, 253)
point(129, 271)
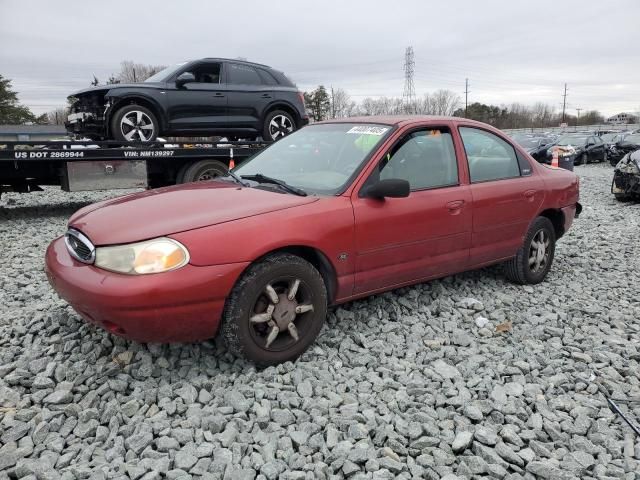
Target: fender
point(116, 99)
point(281, 102)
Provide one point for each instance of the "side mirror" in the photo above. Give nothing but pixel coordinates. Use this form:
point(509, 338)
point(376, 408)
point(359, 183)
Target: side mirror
point(392, 188)
point(184, 78)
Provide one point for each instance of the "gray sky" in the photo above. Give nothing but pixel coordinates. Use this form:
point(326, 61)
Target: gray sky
point(511, 51)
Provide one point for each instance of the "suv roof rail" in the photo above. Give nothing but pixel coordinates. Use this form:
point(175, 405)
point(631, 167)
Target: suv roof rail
point(237, 60)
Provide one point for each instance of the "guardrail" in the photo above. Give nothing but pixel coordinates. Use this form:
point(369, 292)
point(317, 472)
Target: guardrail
point(573, 128)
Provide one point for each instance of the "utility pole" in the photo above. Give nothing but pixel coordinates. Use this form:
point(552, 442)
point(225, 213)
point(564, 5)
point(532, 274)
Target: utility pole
point(333, 104)
point(409, 93)
point(564, 102)
point(578, 118)
point(466, 95)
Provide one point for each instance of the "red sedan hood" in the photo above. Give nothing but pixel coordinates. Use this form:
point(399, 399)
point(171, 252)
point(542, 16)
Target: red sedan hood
point(163, 211)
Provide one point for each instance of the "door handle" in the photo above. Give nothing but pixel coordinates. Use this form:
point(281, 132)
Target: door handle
point(218, 94)
point(266, 95)
point(455, 206)
point(529, 194)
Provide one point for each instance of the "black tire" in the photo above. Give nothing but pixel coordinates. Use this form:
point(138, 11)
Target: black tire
point(125, 133)
point(584, 159)
point(201, 170)
point(622, 197)
point(284, 125)
point(518, 269)
point(248, 299)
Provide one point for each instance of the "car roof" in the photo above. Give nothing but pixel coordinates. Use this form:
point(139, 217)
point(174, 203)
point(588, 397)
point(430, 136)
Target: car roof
point(235, 60)
point(402, 120)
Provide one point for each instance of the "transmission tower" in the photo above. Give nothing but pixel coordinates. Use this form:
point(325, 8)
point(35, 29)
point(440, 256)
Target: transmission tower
point(409, 93)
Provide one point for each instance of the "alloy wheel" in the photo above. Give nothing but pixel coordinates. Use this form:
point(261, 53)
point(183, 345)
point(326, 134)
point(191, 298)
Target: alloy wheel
point(539, 251)
point(282, 314)
point(279, 126)
point(137, 125)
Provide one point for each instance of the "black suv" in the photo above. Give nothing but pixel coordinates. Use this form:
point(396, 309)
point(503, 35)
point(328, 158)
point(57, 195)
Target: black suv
point(212, 96)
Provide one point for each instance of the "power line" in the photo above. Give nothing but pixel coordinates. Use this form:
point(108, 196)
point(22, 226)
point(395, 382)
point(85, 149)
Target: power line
point(409, 93)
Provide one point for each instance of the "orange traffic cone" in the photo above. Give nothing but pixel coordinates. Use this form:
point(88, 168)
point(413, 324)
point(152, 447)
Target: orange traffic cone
point(232, 162)
point(554, 158)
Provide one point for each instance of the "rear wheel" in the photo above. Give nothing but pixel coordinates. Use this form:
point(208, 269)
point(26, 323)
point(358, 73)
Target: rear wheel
point(534, 258)
point(275, 311)
point(201, 170)
point(134, 123)
point(584, 159)
point(277, 124)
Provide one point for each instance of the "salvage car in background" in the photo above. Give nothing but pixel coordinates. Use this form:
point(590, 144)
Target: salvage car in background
point(336, 211)
point(212, 96)
point(626, 177)
point(580, 148)
point(535, 146)
point(630, 143)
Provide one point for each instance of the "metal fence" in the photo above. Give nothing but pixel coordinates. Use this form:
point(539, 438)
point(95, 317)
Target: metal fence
point(603, 127)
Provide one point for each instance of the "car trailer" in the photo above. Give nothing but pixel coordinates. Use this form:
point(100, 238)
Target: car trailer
point(87, 165)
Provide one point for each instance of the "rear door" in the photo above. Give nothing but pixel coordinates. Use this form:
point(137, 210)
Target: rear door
point(201, 105)
point(249, 96)
point(401, 240)
point(506, 195)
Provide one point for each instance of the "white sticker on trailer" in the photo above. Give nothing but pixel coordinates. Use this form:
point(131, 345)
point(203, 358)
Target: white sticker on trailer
point(368, 130)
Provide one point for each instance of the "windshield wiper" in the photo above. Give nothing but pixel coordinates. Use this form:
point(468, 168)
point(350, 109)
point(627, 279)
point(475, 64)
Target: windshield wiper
point(236, 178)
point(260, 178)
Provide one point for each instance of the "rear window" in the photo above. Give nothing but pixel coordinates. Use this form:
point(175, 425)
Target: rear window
point(266, 77)
point(281, 78)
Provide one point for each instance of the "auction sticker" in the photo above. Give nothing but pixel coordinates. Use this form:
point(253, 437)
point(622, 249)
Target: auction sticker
point(368, 130)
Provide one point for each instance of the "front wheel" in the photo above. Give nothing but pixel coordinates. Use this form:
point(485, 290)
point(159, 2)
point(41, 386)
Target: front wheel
point(277, 124)
point(534, 258)
point(134, 123)
point(275, 311)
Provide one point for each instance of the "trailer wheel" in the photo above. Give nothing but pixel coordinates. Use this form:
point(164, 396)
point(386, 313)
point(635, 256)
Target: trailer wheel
point(202, 170)
point(134, 123)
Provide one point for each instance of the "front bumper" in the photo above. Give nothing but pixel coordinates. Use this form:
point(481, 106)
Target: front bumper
point(625, 183)
point(86, 123)
point(182, 305)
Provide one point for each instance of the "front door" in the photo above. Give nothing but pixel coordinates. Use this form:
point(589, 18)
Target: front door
point(201, 105)
point(506, 195)
point(425, 235)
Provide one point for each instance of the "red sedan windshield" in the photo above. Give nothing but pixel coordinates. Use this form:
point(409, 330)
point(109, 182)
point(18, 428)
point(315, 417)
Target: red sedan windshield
point(320, 158)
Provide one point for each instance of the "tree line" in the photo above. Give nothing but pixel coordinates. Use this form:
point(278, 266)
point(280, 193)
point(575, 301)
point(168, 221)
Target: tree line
point(324, 104)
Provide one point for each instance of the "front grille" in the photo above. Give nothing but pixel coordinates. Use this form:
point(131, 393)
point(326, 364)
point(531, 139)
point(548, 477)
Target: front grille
point(79, 246)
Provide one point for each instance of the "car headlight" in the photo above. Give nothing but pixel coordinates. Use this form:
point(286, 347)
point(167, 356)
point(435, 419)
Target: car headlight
point(151, 256)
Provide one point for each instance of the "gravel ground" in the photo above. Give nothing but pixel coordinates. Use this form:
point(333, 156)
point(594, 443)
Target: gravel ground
point(416, 383)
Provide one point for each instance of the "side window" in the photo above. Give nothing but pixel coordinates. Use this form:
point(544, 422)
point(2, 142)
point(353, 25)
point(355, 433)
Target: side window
point(206, 72)
point(489, 156)
point(242, 75)
point(425, 158)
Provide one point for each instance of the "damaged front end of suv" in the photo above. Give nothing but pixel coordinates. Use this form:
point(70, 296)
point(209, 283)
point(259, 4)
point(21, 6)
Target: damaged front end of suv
point(88, 114)
point(626, 177)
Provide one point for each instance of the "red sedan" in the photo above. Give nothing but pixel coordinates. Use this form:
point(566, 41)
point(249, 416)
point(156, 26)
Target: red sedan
point(333, 212)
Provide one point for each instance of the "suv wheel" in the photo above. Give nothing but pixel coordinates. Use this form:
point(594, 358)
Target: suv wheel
point(534, 258)
point(134, 123)
point(275, 311)
point(277, 124)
